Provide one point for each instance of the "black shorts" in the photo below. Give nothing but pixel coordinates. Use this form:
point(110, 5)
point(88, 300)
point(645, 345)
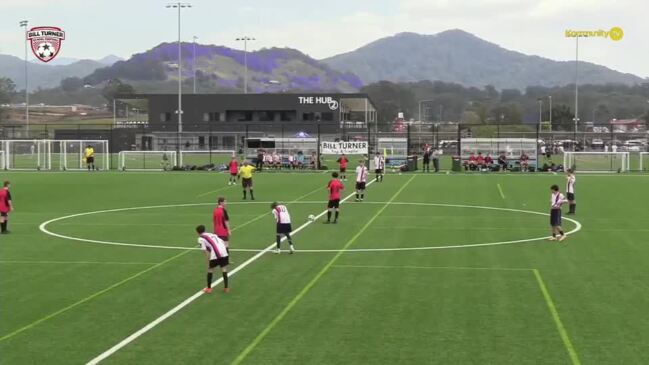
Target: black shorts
point(571, 196)
point(378, 171)
point(90, 160)
point(555, 217)
point(343, 169)
point(246, 183)
point(224, 238)
point(333, 203)
point(4, 214)
point(284, 228)
point(233, 174)
point(360, 185)
point(426, 161)
point(220, 262)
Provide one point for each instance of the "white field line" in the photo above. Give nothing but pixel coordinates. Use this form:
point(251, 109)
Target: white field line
point(500, 190)
point(189, 300)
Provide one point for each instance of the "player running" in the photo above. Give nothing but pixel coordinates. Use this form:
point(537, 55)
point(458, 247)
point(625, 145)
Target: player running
point(6, 206)
point(570, 191)
point(342, 162)
point(221, 222)
point(556, 200)
point(246, 179)
point(89, 156)
point(361, 180)
point(379, 166)
point(216, 254)
point(233, 166)
point(283, 219)
point(334, 187)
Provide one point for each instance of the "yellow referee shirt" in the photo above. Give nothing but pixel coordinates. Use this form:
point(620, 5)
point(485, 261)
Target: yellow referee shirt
point(89, 152)
point(246, 171)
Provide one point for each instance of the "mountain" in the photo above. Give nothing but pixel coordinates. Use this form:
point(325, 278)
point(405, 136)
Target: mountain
point(110, 60)
point(221, 69)
point(460, 57)
point(43, 75)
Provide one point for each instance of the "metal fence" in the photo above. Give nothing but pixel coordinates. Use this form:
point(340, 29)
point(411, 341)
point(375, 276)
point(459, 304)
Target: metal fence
point(631, 137)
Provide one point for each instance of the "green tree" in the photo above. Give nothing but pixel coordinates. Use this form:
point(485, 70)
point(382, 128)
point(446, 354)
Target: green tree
point(114, 88)
point(71, 84)
point(7, 92)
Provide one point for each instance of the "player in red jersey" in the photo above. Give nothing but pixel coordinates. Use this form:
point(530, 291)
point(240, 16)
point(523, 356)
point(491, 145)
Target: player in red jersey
point(5, 207)
point(334, 187)
point(342, 161)
point(221, 222)
point(233, 167)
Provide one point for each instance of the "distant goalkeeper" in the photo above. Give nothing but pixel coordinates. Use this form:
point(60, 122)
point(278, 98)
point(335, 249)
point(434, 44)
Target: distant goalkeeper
point(89, 156)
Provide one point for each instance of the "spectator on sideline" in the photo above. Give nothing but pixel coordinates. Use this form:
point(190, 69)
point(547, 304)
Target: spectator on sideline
point(489, 162)
point(525, 162)
point(502, 161)
point(300, 160)
point(426, 163)
point(479, 161)
point(259, 164)
point(435, 156)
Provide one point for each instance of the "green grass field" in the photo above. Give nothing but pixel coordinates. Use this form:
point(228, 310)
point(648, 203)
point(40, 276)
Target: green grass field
point(429, 269)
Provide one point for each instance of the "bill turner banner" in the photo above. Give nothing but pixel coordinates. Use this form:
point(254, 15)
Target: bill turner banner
point(348, 148)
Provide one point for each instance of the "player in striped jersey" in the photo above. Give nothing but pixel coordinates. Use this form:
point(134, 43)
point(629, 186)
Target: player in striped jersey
point(283, 219)
point(361, 180)
point(570, 191)
point(216, 254)
point(379, 166)
point(556, 201)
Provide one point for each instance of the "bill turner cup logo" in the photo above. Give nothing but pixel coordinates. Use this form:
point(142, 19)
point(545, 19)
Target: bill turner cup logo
point(328, 100)
point(45, 42)
point(614, 34)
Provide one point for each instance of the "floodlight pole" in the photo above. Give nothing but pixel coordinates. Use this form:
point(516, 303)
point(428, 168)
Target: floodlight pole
point(179, 6)
point(245, 40)
point(550, 98)
point(540, 100)
point(194, 62)
point(576, 119)
point(24, 24)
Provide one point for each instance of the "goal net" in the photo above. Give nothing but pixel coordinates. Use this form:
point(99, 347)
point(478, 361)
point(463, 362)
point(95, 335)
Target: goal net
point(644, 161)
point(147, 160)
point(72, 157)
point(211, 158)
point(26, 154)
point(596, 161)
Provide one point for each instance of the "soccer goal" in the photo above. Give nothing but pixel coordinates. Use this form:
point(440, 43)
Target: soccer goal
point(72, 157)
point(644, 161)
point(26, 154)
point(205, 158)
point(146, 160)
point(596, 161)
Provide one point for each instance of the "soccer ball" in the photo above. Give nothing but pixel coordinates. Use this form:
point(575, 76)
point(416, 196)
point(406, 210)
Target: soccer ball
point(311, 217)
point(46, 50)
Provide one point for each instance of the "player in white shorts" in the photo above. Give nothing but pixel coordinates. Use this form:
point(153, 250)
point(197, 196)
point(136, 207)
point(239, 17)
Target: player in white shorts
point(379, 166)
point(216, 254)
point(283, 219)
point(570, 191)
point(361, 180)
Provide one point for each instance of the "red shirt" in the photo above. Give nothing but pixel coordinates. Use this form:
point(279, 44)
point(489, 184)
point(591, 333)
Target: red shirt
point(335, 187)
point(472, 158)
point(5, 198)
point(234, 167)
point(219, 218)
point(488, 159)
point(480, 159)
point(343, 162)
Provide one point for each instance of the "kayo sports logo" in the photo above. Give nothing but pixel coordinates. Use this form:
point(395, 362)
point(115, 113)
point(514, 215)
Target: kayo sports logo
point(333, 104)
point(615, 34)
point(45, 42)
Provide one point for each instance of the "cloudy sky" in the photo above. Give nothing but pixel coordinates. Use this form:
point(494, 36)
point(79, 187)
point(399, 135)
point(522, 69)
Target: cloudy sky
point(96, 28)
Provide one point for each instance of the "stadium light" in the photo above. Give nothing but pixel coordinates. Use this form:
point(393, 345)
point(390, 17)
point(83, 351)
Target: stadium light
point(245, 40)
point(179, 6)
point(24, 23)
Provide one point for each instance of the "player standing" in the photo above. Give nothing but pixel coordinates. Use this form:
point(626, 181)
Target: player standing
point(89, 155)
point(342, 162)
point(334, 187)
point(283, 219)
point(361, 180)
point(221, 222)
point(246, 179)
point(379, 166)
point(6, 206)
point(556, 200)
point(234, 171)
point(216, 254)
point(570, 191)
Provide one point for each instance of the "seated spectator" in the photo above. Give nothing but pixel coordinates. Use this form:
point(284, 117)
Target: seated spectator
point(277, 160)
point(291, 161)
point(314, 161)
point(480, 161)
point(300, 160)
point(488, 161)
point(471, 163)
point(525, 163)
point(268, 160)
point(502, 161)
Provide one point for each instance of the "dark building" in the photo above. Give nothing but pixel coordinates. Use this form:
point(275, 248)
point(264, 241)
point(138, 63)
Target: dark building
point(224, 121)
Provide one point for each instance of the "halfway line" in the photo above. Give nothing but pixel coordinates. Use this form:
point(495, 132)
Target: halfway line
point(189, 300)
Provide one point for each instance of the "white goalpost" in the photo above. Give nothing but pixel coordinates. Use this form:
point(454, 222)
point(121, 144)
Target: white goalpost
point(26, 155)
point(597, 161)
point(72, 157)
point(644, 161)
point(146, 160)
point(204, 158)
